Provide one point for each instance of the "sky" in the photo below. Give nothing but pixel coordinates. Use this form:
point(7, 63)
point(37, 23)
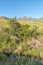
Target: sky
point(18, 8)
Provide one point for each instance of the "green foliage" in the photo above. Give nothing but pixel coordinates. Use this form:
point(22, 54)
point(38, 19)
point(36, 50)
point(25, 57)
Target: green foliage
point(14, 34)
point(2, 56)
point(21, 60)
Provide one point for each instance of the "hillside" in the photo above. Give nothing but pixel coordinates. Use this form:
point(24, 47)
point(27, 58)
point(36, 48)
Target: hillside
point(21, 41)
point(20, 36)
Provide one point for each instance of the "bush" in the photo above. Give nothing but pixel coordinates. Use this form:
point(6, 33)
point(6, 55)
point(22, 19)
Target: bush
point(2, 56)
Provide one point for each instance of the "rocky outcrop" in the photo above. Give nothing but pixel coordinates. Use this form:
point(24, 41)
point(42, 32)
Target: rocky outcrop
point(35, 43)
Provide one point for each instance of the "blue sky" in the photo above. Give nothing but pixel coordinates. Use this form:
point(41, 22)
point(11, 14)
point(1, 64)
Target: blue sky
point(12, 8)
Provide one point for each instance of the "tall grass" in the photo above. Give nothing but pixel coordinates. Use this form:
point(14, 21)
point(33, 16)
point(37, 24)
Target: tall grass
point(20, 60)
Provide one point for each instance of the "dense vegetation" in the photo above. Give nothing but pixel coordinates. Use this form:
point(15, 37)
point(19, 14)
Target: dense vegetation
point(20, 60)
point(21, 37)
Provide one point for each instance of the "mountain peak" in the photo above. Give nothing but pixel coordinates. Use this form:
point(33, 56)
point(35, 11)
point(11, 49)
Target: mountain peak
point(27, 18)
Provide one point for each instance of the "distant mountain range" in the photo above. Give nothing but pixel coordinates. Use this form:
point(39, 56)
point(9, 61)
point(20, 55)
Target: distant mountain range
point(25, 18)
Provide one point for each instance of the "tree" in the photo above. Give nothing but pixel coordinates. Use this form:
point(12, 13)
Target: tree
point(14, 25)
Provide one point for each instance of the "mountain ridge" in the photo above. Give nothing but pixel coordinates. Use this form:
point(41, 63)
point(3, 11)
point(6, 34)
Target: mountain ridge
point(24, 18)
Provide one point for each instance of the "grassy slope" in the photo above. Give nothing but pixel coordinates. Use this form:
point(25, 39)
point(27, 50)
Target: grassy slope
point(24, 60)
point(39, 24)
point(5, 23)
